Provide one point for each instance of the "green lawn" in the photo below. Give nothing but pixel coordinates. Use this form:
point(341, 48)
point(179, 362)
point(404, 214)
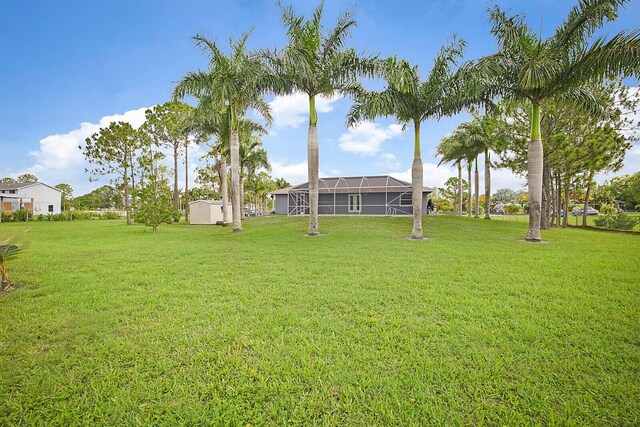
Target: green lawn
point(197, 326)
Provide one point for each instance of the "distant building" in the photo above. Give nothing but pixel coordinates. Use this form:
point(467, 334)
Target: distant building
point(36, 197)
point(356, 195)
point(207, 212)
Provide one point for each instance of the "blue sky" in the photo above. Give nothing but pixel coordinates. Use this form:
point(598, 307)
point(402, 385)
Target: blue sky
point(71, 66)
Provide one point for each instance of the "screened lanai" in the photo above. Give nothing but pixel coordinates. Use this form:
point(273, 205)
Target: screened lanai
point(361, 195)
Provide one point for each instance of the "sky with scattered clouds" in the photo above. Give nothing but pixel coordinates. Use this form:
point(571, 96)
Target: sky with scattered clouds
point(70, 68)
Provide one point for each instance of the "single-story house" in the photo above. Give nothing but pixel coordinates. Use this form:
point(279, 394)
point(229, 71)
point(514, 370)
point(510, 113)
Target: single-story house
point(36, 197)
point(356, 195)
point(207, 212)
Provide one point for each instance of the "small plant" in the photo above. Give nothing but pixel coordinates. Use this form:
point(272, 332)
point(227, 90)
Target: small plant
point(8, 250)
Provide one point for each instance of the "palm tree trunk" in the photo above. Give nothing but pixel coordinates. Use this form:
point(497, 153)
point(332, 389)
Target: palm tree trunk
point(242, 192)
point(534, 163)
point(236, 203)
point(416, 185)
point(186, 180)
point(459, 188)
point(469, 166)
point(175, 195)
point(313, 166)
point(224, 190)
point(477, 190)
point(487, 185)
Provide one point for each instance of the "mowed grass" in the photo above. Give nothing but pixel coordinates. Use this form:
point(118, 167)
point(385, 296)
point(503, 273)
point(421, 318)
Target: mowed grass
point(112, 325)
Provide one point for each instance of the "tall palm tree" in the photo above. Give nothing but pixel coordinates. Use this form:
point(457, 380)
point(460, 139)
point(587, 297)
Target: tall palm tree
point(237, 80)
point(316, 63)
point(528, 68)
point(412, 101)
point(212, 119)
point(452, 149)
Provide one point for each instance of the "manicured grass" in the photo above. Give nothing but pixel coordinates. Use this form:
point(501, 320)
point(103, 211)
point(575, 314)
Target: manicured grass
point(572, 219)
point(198, 326)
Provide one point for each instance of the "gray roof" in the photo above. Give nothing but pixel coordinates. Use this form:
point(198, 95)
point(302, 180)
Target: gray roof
point(359, 184)
point(19, 185)
point(281, 191)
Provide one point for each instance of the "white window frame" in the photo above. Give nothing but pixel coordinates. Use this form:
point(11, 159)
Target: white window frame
point(410, 199)
point(357, 198)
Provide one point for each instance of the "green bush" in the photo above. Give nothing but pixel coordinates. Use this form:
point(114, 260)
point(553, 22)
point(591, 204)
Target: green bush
point(620, 221)
point(21, 215)
point(512, 209)
point(608, 210)
point(110, 215)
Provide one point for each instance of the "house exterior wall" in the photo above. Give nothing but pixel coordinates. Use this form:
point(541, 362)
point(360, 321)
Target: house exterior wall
point(43, 198)
point(338, 204)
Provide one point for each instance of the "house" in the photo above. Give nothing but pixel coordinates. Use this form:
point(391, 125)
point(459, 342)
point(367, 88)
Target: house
point(356, 195)
point(207, 212)
point(36, 197)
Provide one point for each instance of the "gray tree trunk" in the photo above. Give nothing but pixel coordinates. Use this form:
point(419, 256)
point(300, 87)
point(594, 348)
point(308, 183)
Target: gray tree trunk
point(586, 201)
point(175, 196)
point(565, 208)
point(236, 205)
point(546, 193)
point(186, 180)
point(242, 192)
point(313, 159)
point(487, 185)
point(416, 197)
point(459, 188)
point(224, 190)
point(558, 198)
point(477, 191)
point(469, 166)
point(534, 162)
point(126, 196)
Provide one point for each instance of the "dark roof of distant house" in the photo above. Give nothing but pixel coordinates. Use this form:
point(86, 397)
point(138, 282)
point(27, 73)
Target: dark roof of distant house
point(356, 184)
point(19, 185)
point(281, 191)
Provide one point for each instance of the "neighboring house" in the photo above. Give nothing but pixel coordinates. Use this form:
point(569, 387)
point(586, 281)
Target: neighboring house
point(356, 195)
point(207, 212)
point(36, 197)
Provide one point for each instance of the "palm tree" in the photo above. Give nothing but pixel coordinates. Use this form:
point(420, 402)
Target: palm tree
point(527, 68)
point(237, 81)
point(9, 249)
point(412, 101)
point(452, 149)
point(316, 64)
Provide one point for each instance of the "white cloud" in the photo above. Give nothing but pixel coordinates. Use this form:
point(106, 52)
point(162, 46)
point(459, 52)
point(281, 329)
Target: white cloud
point(388, 160)
point(631, 165)
point(294, 173)
point(367, 137)
point(335, 172)
point(60, 160)
point(293, 110)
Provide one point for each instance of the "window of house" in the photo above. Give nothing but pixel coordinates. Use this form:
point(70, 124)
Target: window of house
point(405, 199)
point(50, 208)
point(11, 191)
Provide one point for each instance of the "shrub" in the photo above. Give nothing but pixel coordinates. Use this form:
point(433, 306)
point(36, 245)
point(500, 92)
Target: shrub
point(620, 221)
point(608, 210)
point(21, 215)
point(110, 215)
point(512, 209)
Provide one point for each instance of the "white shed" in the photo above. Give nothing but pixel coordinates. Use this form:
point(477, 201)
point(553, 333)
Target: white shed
point(206, 212)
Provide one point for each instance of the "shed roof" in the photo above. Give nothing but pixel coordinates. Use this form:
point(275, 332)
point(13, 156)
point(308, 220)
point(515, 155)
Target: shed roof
point(281, 191)
point(209, 202)
point(358, 184)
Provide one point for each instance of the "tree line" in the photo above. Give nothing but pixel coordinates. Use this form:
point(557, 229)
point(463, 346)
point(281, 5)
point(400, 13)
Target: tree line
point(529, 79)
